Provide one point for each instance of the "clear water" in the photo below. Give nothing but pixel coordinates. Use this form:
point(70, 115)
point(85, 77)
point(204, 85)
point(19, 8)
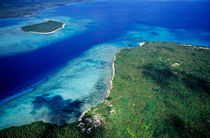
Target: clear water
point(55, 77)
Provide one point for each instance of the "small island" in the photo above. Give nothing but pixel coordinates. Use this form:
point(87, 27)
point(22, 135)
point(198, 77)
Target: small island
point(46, 27)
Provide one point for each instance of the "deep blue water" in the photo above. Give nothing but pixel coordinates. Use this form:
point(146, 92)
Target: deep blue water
point(113, 19)
point(10, 21)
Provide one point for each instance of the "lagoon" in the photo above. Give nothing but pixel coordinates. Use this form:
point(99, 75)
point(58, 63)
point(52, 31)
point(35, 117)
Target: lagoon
point(75, 63)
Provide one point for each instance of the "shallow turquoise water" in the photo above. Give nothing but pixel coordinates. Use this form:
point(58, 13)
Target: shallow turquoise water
point(73, 65)
point(83, 79)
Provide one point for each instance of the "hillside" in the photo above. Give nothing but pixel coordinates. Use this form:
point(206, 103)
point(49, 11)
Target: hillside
point(159, 90)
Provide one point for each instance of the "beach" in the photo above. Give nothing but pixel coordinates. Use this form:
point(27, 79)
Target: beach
point(107, 92)
point(49, 32)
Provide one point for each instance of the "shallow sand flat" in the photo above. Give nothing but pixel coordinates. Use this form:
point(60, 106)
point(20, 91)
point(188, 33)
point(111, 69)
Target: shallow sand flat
point(84, 80)
point(21, 42)
point(145, 33)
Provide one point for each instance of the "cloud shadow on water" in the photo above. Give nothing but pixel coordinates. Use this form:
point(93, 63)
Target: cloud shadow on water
point(59, 110)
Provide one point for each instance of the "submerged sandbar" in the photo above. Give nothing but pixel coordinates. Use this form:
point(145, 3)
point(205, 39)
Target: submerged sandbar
point(46, 27)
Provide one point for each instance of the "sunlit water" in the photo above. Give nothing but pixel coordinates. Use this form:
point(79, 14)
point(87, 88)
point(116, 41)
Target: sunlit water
point(55, 77)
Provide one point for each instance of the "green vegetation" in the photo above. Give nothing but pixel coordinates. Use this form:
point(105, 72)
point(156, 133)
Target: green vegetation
point(40, 129)
point(45, 130)
point(153, 97)
point(17, 8)
point(159, 90)
point(44, 27)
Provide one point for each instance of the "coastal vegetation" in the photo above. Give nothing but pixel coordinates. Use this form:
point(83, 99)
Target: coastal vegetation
point(45, 27)
point(18, 8)
point(159, 90)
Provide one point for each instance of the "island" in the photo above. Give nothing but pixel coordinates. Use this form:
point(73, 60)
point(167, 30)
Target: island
point(46, 27)
point(159, 89)
point(26, 8)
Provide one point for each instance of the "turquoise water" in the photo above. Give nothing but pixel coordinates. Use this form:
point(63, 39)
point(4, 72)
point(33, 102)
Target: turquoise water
point(83, 79)
point(55, 77)
point(21, 42)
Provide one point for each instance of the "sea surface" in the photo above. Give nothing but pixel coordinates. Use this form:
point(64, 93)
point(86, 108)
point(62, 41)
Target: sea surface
point(55, 77)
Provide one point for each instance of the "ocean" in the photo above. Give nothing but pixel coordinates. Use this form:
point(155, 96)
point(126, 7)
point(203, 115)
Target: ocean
point(55, 77)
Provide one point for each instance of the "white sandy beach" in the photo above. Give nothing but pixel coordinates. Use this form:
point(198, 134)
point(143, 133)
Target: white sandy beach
point(107, 93)
point(49, 32)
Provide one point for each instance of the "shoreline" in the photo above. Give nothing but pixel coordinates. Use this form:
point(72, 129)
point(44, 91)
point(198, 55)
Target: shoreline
point(110, 81)
point(47, 32)
point(199, 47)
point(34, 12)
point(141, 43)
point(107, 92)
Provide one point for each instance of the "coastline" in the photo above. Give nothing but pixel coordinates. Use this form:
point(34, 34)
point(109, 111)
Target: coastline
point(35, 11)
point(99, 120)
point(48, 32)
point(110, 81)
point(199, 47)
point(141, 43)
point(107, 92)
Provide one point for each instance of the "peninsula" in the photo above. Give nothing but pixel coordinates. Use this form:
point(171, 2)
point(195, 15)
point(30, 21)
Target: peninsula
point(46, 27)
point(159, 89)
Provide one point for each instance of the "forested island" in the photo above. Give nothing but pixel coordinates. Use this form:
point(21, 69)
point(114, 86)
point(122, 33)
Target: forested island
point(18, 8)
point(159, 90)
point(47, 27)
